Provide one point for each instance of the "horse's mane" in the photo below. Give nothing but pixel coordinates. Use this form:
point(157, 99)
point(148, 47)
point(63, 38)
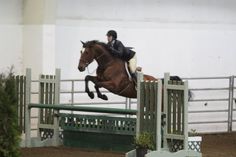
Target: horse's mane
point(91, 43)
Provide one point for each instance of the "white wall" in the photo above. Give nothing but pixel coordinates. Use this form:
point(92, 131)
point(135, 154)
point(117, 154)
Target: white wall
point(10, 35)
point(11, 12)
point(161, 11)
point(185, 37)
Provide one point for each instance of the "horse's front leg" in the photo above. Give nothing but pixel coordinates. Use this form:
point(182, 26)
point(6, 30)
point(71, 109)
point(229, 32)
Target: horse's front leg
point(100, 95)
point(109, 85)
point(87, 79)
point(95, 81)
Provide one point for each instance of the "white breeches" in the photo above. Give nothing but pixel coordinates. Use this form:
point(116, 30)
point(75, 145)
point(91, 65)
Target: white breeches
point(133, 64)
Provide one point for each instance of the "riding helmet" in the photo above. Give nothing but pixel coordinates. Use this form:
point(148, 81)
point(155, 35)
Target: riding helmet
point(112, 33)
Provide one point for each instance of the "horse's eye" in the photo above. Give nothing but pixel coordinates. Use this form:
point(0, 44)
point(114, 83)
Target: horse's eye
point(81, 52)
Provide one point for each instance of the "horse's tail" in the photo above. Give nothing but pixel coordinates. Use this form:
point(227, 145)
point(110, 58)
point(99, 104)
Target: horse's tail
point(177, 78)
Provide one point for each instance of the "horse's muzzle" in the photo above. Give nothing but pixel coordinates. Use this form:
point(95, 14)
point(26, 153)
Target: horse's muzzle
point(81, 68)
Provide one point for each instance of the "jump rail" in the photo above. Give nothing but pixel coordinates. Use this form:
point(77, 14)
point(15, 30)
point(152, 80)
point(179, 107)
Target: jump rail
point(68, 107)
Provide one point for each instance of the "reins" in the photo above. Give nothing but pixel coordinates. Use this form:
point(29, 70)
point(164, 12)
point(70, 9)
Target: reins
point(99, 56)
point(104, 65)
point(97, 59)
point(89, 71)
point(87, 63)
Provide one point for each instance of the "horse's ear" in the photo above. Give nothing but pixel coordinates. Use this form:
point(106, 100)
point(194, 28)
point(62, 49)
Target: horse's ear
point(82, 43)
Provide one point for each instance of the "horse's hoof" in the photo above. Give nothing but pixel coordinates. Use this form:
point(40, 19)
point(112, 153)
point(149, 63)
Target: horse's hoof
point(91, 95)
point(104, 97)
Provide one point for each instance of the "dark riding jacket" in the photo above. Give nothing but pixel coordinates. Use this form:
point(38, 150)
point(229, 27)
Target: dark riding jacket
point(119, 50)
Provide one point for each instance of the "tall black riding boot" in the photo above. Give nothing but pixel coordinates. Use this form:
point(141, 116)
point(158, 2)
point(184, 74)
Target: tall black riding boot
point(134, 77)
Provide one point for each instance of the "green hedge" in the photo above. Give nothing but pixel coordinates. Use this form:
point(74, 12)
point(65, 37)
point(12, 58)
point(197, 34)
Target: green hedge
point(9, 131)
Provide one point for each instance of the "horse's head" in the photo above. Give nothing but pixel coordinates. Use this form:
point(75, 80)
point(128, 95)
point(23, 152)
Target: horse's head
point(87, 55)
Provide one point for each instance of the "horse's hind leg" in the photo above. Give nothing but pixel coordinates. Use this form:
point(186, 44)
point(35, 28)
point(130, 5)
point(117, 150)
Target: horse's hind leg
point(100, 95)
point(87, 79)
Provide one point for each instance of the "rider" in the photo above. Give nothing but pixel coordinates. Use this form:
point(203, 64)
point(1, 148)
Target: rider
point(119, 50)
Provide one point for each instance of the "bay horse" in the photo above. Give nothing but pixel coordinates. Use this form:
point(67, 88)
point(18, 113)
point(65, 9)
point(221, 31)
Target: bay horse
point(111, 72)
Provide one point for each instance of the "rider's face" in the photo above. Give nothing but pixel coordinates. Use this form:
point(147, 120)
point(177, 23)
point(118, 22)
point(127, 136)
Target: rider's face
point(109, 38)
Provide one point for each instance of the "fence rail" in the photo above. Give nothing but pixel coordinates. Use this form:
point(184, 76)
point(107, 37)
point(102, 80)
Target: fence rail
point(229, 99)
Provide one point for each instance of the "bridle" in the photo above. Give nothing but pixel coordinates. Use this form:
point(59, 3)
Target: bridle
point(87, 63)
point(97, 58)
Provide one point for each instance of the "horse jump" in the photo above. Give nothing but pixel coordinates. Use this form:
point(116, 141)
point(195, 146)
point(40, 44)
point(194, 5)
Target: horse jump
point(149, 105)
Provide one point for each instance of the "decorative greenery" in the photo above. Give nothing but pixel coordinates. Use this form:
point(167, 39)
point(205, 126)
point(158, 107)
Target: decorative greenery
point(144, 140)
point(9, 132)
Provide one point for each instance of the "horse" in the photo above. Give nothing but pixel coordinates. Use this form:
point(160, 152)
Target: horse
point(111, 71)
